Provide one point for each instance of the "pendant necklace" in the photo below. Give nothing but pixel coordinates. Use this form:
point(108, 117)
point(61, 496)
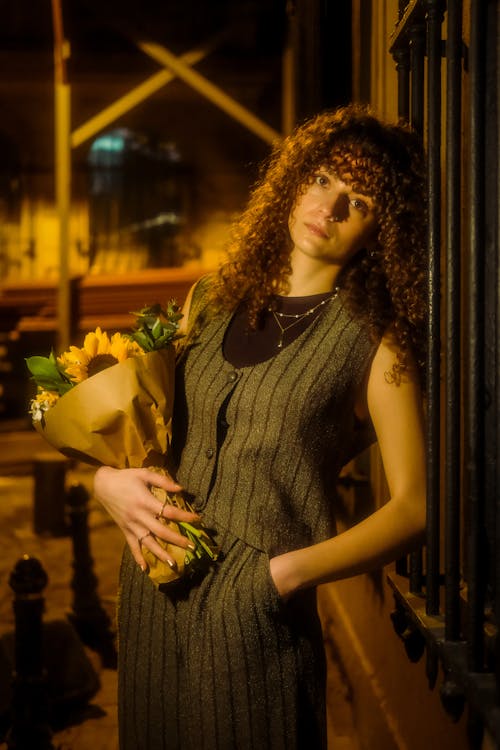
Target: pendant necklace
point(297, 317)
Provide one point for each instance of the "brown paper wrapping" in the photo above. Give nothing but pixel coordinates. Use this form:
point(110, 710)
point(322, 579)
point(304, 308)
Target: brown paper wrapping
point(157, 570)
point(121, 417)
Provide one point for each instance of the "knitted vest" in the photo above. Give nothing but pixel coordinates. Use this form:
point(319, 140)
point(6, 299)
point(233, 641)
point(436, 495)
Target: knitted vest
point(289, 427)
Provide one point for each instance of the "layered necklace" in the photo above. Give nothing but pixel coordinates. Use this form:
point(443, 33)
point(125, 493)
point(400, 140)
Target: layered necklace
point(282, 318)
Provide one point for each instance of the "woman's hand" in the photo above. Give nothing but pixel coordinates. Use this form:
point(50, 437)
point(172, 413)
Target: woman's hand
point(282, 577)
point(126, 496)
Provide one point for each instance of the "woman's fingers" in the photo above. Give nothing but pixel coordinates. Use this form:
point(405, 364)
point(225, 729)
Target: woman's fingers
point(164, 490)
point(150, 533)
point(148, 541)
point(128, 496)
point(173, 513)
point(156, 479)
point(156, 549)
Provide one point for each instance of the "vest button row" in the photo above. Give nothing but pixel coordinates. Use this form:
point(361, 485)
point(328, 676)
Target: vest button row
point(209, 453)
point(232, 376)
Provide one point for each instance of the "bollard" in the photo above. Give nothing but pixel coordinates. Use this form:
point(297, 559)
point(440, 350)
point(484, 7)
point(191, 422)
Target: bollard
point(49, 472)
point(88, 616)
point(46, 677)
point(30, 726)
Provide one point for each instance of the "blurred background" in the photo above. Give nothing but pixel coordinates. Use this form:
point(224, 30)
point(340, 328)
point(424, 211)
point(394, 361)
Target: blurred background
point(129, 137)
point(160, 162)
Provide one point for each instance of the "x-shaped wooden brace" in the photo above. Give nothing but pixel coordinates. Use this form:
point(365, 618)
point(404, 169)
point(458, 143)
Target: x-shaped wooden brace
point(180, 66)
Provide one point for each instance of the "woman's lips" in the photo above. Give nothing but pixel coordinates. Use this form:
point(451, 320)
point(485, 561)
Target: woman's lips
point(317, 230)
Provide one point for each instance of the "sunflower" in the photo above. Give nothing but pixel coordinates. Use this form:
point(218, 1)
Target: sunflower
point(97, 353)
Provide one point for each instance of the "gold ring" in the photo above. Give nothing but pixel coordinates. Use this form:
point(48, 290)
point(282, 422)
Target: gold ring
point(165, 503)
point(139, 539)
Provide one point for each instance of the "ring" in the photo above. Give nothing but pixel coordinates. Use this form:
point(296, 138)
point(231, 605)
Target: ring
point(165, 503)
point(139, 539)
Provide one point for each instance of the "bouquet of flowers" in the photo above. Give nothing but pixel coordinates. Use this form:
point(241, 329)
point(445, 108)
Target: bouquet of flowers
point(110, 403)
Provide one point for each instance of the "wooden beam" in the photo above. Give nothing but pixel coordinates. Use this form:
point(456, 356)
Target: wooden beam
point(181, 68)
point(124, 104)
point(210, 91)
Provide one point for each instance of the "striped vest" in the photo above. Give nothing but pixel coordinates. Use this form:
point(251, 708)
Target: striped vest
point(289, 427)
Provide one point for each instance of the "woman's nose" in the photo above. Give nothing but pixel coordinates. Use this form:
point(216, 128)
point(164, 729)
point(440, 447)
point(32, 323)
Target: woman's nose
point(336, 206)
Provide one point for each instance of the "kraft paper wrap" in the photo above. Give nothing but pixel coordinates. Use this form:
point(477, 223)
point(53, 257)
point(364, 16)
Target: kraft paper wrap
point(157, 570)
point(121, 417)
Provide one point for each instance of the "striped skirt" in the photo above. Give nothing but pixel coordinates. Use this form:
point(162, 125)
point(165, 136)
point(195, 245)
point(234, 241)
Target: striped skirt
point(224, 665)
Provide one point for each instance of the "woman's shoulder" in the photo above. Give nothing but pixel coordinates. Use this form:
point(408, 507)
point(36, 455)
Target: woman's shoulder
point(356, 325)
point(197, 302)
point(197, 293)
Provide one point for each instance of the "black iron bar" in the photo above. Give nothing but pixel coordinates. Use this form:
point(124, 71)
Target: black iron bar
point(435, 15)
point(474, 433)
point(416, 572)
point(417, 54)
point(493, 117)
point(453, 327)
point(401, 55)
point(402, 59)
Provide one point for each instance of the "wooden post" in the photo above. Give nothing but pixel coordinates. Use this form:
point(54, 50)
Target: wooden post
point(62, 143)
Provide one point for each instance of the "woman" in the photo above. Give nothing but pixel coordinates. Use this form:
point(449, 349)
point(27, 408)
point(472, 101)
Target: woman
point(305, 347)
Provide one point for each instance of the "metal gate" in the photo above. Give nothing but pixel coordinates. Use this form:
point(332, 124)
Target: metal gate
point(446, 57)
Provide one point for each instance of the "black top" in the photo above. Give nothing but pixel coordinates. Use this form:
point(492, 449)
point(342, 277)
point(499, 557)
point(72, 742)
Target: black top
point(243, 347)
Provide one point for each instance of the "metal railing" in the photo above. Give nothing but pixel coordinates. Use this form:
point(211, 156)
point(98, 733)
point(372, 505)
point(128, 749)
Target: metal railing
point(448, 91)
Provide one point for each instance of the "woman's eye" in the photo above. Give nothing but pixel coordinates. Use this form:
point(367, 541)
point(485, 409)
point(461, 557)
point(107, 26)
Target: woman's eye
point(322, 180)
point(359, 205)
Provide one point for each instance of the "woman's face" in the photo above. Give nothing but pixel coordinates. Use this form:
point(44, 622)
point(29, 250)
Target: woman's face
point(330, 222)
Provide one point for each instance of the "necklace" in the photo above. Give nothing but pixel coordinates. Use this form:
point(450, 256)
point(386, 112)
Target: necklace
point(297, 317)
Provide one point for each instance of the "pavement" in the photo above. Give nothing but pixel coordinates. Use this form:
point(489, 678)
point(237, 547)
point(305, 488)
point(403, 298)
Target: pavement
point(89, 724)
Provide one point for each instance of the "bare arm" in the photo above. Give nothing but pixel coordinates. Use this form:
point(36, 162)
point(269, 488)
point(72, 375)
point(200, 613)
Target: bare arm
point(396, 412)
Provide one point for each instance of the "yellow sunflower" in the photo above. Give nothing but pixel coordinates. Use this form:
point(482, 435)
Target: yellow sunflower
point(97, 353)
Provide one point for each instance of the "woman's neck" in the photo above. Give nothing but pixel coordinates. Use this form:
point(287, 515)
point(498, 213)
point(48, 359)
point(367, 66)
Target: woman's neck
point(308, 278)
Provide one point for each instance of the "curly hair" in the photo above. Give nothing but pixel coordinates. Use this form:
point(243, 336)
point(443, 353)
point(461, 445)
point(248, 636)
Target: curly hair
point(386, 286)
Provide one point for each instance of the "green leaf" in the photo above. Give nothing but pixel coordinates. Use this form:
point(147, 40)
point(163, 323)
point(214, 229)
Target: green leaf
point(43, 367)
point(48, 375)
point(204, 545)
point(140, 338)
point(157, 327)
